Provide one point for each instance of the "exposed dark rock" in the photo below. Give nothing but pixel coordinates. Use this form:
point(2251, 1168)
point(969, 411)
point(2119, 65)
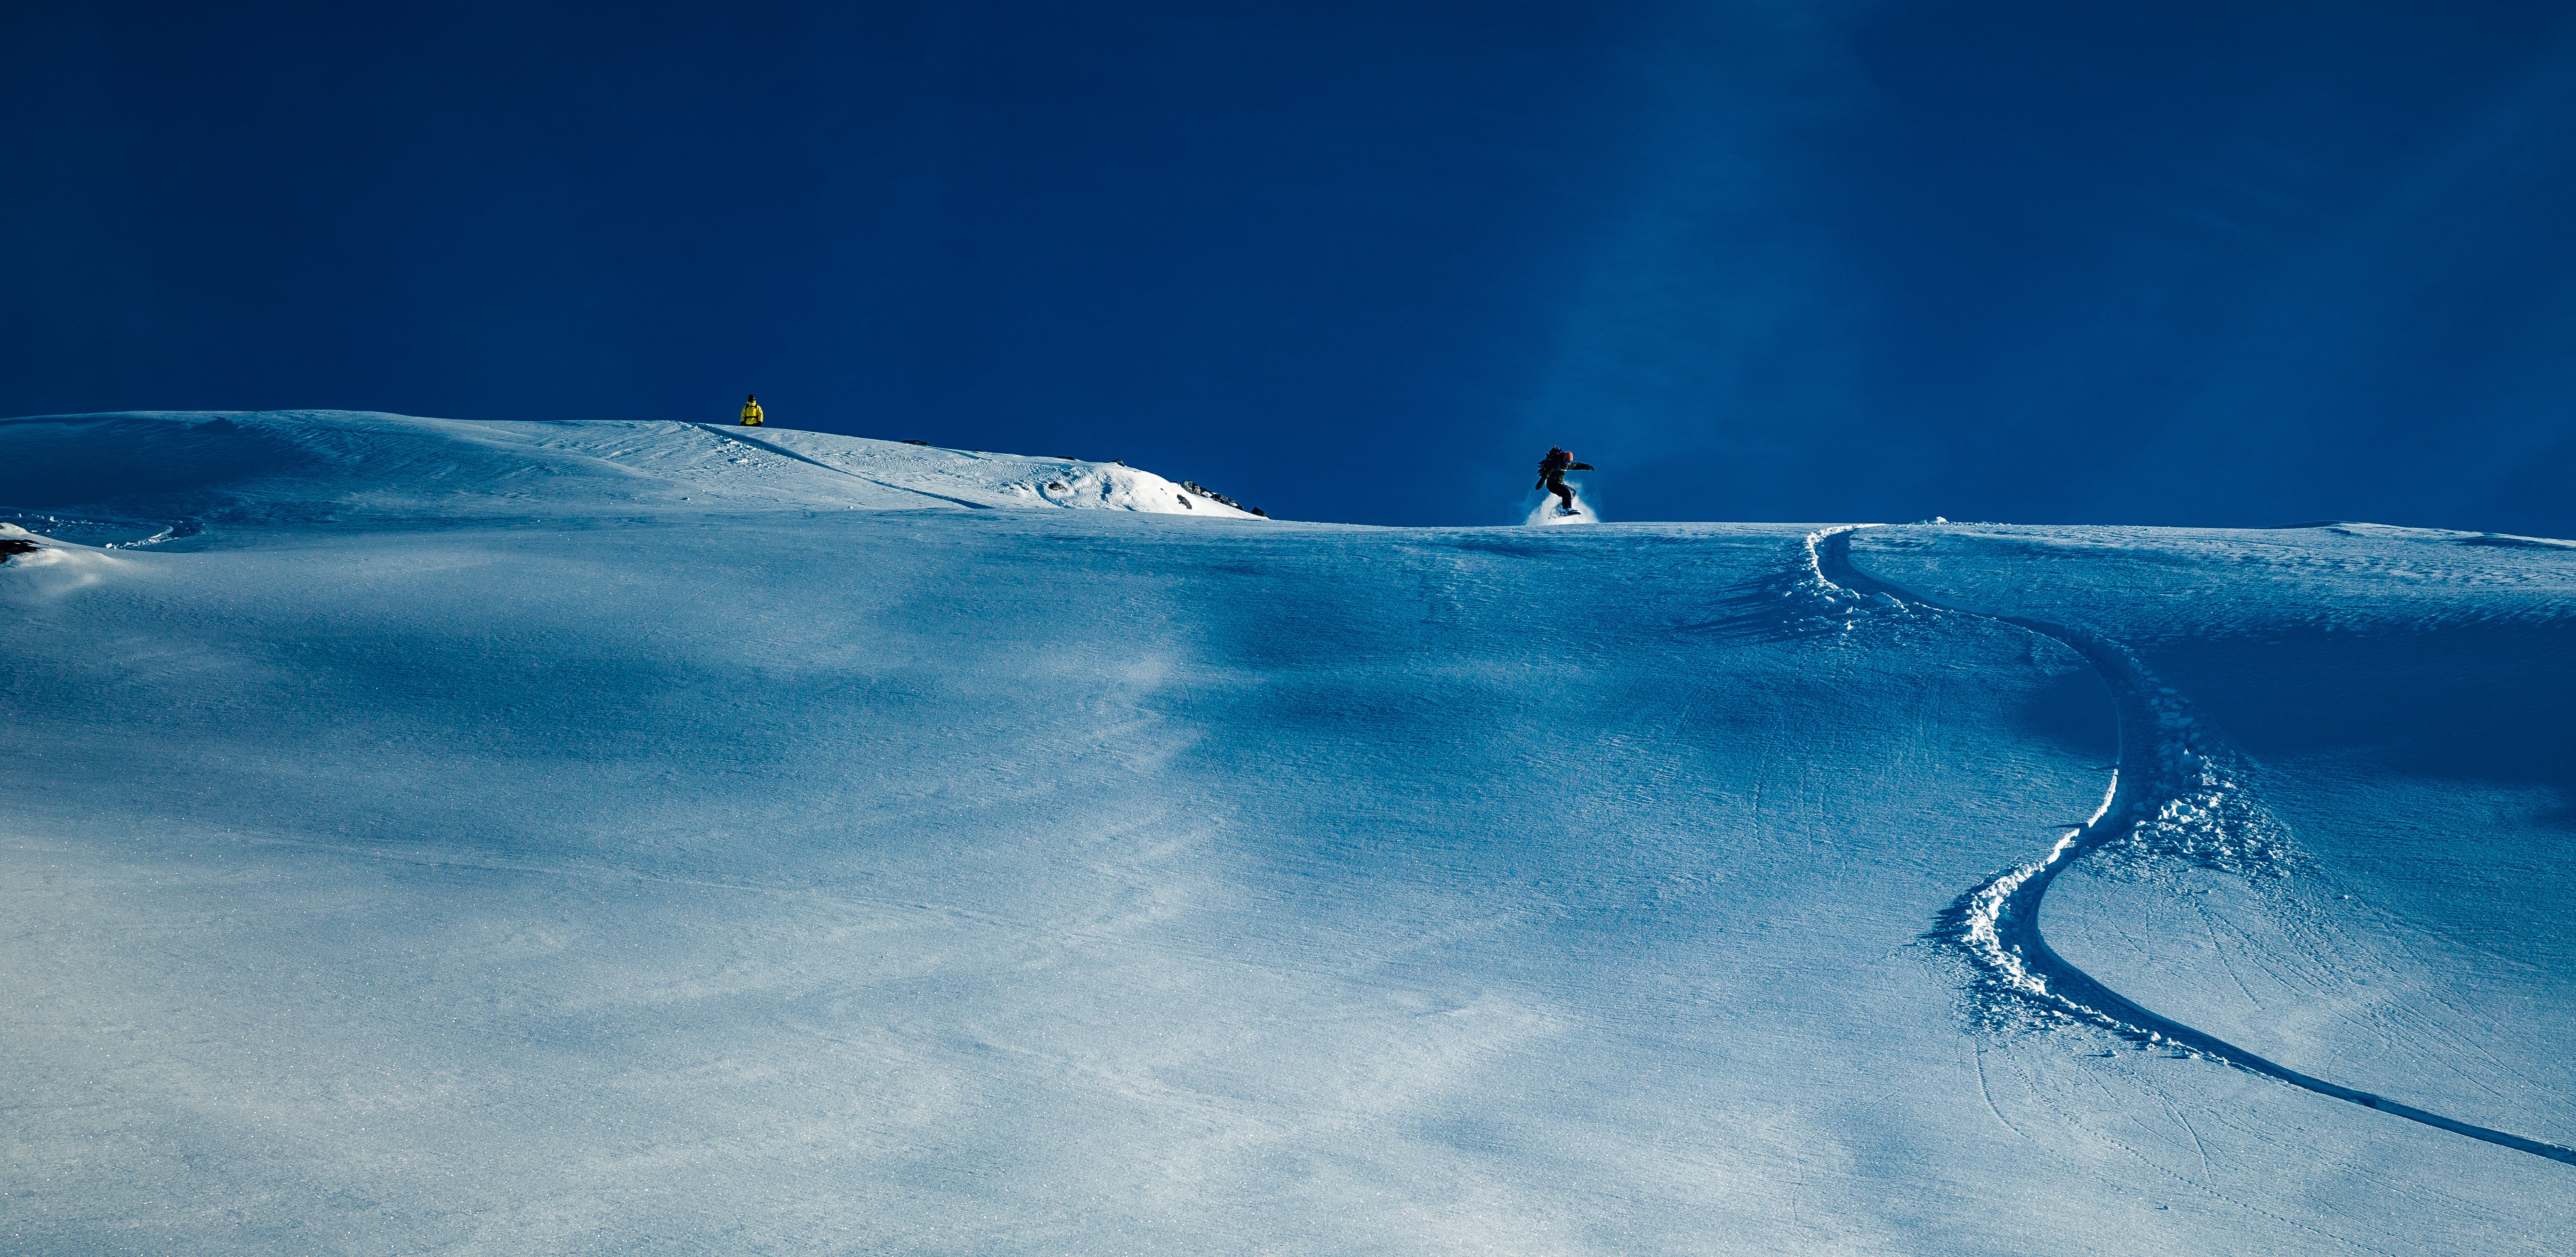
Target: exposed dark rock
point(1214, 496)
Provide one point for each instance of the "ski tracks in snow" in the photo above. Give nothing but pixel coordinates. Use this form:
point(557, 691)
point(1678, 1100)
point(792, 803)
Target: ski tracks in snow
point(2172, 793)
point(770, 447)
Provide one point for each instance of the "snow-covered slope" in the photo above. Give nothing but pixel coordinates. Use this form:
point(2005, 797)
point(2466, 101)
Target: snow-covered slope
point(323, 465)
point(2368, 880)
point(568, 838)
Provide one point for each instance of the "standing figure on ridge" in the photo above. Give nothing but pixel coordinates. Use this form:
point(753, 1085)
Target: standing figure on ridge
point(750, 410)
point(1551, 476)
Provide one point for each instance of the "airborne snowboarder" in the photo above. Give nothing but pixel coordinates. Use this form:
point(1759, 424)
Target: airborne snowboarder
point(1551, 477)
point(751, 410)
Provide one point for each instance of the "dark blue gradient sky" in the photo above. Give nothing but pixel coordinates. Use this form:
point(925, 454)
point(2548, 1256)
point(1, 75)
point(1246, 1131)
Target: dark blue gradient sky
point(2168, 262)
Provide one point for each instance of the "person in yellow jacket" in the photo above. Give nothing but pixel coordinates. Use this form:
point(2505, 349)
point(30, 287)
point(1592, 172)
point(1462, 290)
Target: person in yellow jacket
point(750, 410)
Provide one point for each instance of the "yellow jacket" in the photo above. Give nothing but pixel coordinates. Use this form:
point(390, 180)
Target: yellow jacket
point(751, 414)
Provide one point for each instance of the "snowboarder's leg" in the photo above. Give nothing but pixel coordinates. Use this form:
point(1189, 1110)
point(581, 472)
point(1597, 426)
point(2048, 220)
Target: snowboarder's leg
point(1563, 491)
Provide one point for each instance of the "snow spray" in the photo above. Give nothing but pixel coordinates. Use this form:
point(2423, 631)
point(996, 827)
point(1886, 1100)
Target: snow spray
point(1545, 513)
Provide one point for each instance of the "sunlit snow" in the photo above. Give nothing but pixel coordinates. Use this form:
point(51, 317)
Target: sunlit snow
point(610, 837)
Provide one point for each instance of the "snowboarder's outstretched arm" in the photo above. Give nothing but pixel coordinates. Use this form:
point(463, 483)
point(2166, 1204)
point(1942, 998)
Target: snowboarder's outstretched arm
point(1578, 466)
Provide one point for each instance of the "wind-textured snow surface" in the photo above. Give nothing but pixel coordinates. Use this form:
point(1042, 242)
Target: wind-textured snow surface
point(610, 837)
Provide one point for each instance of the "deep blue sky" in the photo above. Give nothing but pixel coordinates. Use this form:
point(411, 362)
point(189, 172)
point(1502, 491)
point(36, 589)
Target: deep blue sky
point(2158, 262)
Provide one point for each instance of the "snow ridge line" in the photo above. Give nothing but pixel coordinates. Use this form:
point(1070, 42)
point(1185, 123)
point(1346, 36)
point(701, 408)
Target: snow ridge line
point(784, 452)
point(2163, 787)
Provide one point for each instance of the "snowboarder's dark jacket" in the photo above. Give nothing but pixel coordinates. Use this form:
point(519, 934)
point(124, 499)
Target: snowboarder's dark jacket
point(1555, 465)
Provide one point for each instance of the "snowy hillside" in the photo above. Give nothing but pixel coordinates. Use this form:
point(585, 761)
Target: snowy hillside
point(340, 464)
point(441, 836)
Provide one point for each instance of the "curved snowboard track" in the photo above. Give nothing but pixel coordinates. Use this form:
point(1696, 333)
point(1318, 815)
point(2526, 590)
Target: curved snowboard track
point(1998, 923)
